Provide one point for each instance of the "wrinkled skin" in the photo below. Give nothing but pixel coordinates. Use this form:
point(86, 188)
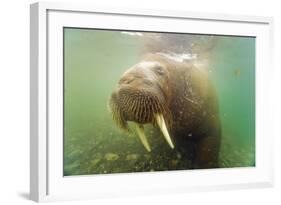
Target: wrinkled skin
point(184, 96)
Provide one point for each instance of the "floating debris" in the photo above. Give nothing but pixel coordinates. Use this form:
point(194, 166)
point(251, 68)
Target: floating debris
point(237, 72)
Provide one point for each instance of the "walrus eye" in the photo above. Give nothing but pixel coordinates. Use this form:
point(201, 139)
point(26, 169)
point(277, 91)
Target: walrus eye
point(159, 70)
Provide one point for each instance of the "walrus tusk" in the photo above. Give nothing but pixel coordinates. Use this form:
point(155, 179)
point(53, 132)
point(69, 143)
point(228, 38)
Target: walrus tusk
point(162, 125)
point(140, 131)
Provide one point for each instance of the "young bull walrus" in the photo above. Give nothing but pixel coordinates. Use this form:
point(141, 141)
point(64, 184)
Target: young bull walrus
point(177, 98)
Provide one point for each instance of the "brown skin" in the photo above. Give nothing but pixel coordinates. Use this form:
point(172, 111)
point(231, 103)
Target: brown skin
point(185, 97)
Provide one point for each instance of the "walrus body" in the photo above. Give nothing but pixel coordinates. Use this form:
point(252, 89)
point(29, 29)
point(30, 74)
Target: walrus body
point(179, 99)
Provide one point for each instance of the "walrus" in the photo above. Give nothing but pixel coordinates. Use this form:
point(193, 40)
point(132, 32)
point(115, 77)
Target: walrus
point(175, 97)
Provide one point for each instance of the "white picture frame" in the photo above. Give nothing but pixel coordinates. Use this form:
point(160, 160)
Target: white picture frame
point(46, 179)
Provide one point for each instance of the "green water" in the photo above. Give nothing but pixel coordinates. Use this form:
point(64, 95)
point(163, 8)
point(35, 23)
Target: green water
point(94, 60)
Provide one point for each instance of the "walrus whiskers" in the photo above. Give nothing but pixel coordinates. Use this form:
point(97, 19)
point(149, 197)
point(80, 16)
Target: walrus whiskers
point(117, 115)
point(133, 107)
point(144, 108)
point(138, 111)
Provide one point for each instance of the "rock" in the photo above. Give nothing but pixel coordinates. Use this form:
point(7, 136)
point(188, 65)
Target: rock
point(173, 163)
point(147, 156)
point(95, 161)
point(131, 157)
point(111, 157)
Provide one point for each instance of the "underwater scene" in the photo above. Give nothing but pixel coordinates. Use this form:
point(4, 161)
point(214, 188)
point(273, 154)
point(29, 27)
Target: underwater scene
point(138, 101)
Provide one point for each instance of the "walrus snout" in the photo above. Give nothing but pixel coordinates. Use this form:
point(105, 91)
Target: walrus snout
point(139, 98)
point(138, 103)
point(141, 107)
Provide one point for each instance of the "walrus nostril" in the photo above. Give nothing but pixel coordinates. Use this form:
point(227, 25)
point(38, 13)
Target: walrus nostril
point(128, 81)
point(147, 82)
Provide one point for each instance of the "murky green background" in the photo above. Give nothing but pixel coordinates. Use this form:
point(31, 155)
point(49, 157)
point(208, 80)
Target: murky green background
point(93, 63)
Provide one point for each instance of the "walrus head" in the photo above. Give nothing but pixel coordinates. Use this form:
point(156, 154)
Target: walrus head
point(142, 97)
